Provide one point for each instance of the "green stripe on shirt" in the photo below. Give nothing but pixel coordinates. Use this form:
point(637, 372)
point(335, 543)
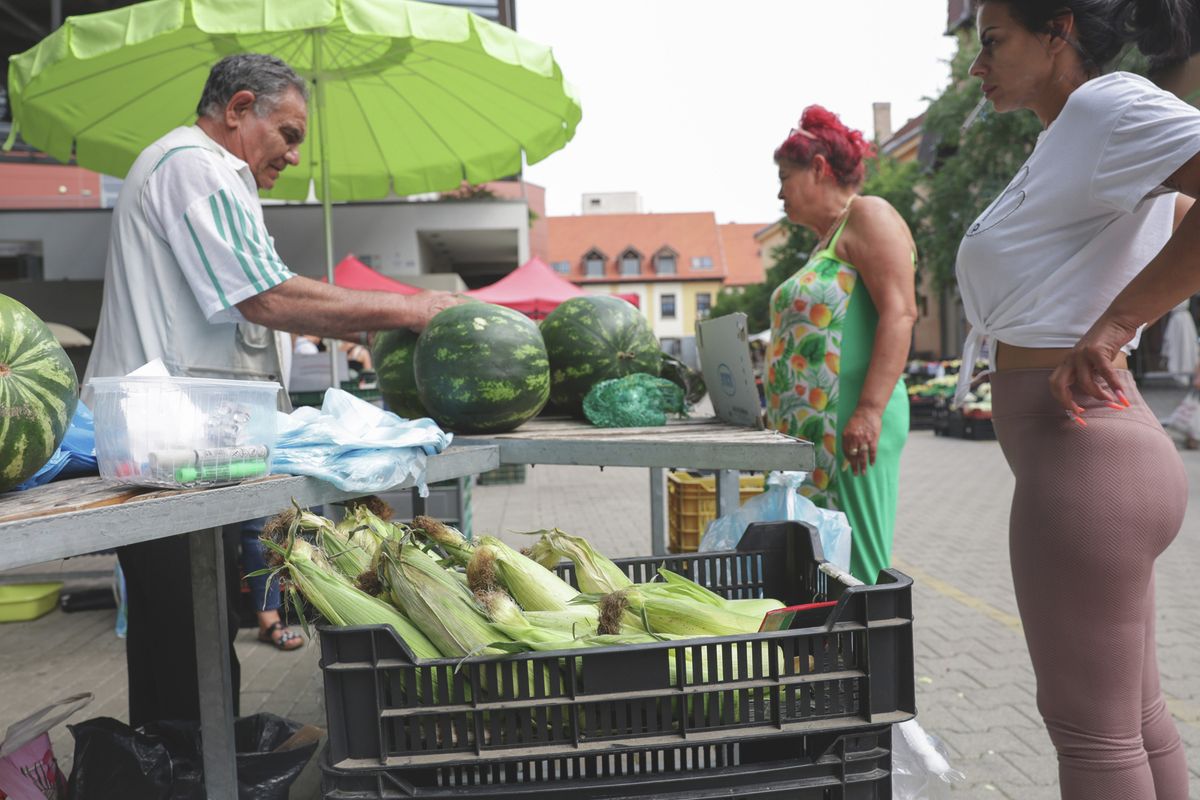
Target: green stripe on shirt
point(236, 244)
point(243, 215)
point(204, 259)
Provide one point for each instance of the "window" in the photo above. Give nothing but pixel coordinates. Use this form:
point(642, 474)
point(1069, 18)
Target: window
point(631, 262)
point(664, 263)
point(562, 267)
point(593, 264)
point(702, 262)
point(667, 306)
point(703, 304)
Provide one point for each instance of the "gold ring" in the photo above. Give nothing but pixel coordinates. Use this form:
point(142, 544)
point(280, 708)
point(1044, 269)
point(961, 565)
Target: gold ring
point(853, 452)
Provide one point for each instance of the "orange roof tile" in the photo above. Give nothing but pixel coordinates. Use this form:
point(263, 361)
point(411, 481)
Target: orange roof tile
point(690, 236)
point(743, 255)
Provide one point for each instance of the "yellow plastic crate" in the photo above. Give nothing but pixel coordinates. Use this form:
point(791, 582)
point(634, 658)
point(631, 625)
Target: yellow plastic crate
point(692, 504)
point(20, 602)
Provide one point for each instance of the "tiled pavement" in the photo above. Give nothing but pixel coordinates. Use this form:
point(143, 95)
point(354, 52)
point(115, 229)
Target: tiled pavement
point(974, 684)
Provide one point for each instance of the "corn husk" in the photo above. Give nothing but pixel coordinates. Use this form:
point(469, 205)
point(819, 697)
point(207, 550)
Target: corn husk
point(448, 539)
point(667, 614)
point(594, 573)
point(341, 603)
point(436, 602)
point(496, 565)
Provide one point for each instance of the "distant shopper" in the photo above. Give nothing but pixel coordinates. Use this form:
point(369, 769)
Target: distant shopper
point(840, 333)
point(193, 278)
point(1100, 488)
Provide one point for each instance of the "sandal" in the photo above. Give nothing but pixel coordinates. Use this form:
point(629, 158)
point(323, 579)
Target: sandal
point(288, 639)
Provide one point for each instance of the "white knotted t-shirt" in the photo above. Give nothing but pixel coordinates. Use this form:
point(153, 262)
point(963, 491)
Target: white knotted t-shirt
point(1080, 219)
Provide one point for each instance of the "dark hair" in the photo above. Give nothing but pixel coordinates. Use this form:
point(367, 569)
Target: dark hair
point(1160, 28)
point(267, 76)
point(821, 132)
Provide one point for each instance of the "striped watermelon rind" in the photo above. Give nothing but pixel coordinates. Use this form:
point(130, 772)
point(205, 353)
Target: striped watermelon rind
point(392, 355)
point(38, 393)
point(482, 368)
point(595, 338)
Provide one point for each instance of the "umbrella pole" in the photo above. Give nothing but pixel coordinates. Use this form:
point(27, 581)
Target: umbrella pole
point(326, 205)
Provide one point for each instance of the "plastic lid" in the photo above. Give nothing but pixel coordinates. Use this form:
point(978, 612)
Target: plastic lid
point(103, 384)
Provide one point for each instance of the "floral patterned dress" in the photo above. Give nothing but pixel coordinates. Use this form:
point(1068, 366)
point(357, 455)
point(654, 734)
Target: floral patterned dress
point(823, 324)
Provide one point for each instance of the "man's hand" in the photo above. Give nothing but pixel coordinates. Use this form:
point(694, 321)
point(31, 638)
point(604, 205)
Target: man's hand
point(427, 305)
point(1092, 359)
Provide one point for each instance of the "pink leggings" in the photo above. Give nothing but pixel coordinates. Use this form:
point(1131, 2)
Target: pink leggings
point(1093, 508)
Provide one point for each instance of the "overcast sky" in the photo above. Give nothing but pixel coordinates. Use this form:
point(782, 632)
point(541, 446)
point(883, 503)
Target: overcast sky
point(685, 101)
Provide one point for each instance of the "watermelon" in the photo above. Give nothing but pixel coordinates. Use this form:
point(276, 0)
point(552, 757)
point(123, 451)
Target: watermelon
point(595, 338)
point(482, 368)
point(38, 393)
point(392, 354)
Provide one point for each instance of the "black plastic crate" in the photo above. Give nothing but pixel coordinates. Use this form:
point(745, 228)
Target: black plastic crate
point(826, 766)
point(423, 722)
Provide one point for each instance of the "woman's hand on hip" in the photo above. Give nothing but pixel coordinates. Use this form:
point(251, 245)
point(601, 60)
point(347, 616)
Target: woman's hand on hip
point(1089, 366)
point(860, 439)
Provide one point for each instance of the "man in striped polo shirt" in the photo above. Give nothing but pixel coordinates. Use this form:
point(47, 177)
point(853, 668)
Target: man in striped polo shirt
point(193, 278)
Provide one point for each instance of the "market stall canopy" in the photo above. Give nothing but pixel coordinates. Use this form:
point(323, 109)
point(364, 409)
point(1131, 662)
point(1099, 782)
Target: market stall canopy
point(67, 336)
point(351, 273)
point(532, 288)
point(409, 97)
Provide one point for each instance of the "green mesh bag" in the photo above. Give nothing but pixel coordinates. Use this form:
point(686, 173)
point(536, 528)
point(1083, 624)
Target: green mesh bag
point(635, 401)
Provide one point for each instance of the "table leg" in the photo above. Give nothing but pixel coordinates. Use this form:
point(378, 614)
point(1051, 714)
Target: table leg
point(212, 657)
point(729, 491)
point(658, 513)
point(418, 502)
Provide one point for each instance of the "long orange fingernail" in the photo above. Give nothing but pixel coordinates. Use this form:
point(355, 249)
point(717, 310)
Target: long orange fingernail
point(1080, 420)
point(1124, 400)
point(1117, 406)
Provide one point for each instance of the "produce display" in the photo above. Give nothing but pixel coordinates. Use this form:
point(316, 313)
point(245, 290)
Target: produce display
point(447, 596)
point(594, 338)
point(635, 401)
point(392, 355)
point(38, 393)
point(481, 368)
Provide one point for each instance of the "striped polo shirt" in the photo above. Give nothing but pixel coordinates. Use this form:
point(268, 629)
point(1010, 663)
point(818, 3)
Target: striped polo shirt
point(187, 244)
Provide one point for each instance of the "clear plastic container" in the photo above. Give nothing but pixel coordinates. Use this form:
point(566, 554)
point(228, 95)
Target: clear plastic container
point(183, 432)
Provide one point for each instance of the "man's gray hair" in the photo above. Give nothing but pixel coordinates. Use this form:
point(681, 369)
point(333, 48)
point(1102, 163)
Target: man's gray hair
point(270, 78)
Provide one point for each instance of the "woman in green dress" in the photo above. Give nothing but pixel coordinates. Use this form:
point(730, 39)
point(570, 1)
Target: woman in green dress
point(840, 334)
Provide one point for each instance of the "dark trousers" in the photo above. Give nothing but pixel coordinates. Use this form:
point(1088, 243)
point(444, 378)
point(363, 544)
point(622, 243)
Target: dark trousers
point(160, 648)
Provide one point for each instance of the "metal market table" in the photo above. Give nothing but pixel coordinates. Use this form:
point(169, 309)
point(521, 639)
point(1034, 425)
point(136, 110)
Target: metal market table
point(85, 515)
point(696, 443)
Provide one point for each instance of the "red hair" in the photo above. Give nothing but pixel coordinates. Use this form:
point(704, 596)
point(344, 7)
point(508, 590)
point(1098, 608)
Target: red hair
point(821, 132)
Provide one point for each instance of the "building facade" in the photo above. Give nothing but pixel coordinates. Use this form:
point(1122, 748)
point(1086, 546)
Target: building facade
point(676, 264)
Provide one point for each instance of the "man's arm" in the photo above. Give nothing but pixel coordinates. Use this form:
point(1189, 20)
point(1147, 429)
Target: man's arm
point(303, 305)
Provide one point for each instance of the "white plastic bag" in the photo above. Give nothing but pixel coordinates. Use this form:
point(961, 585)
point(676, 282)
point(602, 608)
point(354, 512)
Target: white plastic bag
point(779, 503)
point(920, 770)
point(28, 768)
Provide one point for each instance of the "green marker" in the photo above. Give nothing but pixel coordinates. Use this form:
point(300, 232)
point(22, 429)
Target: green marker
point(234, 471)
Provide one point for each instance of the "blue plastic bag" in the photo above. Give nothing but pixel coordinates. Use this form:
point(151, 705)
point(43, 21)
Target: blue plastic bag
point(779, 503)
point(356, 446)
point(75, 457)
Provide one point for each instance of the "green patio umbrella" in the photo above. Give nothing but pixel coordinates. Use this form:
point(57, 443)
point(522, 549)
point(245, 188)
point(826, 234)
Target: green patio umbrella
point(407, 97)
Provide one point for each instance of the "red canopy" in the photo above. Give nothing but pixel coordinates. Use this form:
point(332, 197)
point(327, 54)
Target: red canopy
point(353, 274)
point(532, 288)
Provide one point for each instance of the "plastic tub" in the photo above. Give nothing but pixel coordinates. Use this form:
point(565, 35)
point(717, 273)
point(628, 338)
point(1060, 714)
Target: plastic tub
point(183, 432)
point(21, 602)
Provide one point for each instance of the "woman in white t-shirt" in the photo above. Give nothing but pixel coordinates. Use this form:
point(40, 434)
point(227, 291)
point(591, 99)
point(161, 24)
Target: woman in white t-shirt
point(1100, 490)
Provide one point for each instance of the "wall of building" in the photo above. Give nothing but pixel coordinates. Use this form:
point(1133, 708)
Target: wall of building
point(75, 243)
point(387, 233)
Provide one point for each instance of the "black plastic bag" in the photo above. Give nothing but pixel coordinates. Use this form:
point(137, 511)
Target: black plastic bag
point(162, 760)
